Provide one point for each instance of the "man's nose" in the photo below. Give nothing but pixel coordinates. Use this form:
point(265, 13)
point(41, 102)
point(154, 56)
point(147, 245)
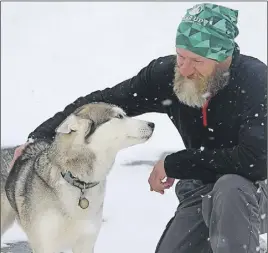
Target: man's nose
point(186, 68)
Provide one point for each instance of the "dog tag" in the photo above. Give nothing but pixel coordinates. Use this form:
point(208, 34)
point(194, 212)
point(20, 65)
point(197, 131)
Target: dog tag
point(83, 203)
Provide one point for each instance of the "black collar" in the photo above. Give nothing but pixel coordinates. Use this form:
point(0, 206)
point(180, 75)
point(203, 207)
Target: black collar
point(74, 181)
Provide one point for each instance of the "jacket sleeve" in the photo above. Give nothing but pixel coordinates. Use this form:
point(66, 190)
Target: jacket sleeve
point(247, 159)
point(135, 95)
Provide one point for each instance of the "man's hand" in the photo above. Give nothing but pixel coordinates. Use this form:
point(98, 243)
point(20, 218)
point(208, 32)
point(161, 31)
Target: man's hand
point(157, 176)
point(18, 152)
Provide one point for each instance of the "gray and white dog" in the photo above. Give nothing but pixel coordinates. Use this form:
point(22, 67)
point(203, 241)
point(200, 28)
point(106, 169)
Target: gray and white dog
point(7, 213)
point(57, 188)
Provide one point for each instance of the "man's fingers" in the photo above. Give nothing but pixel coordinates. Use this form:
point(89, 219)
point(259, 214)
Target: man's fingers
point(157, 186)
point(17, 153)
point(155, 181)
point(169, 182)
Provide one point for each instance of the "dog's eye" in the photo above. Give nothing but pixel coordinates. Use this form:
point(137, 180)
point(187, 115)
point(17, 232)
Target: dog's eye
point(119, 116)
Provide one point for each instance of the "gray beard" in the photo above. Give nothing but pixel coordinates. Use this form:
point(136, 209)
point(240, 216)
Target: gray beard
point(188, 92)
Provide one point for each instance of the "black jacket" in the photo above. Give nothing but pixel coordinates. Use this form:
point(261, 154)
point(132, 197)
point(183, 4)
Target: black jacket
point(234, 140)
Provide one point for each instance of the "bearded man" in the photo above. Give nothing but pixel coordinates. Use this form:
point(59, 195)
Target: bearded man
point(216, 98)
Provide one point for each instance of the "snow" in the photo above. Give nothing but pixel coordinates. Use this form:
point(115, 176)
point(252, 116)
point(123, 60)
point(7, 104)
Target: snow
point(52, 53)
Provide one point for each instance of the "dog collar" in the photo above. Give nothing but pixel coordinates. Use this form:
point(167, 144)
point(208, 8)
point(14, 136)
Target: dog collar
point(74, 181)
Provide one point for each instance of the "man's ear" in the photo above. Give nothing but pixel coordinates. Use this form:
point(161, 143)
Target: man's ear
point(68, 125)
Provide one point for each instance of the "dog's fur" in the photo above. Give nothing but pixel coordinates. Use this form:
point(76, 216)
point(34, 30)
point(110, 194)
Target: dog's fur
point(7, 213)
point(86, 144)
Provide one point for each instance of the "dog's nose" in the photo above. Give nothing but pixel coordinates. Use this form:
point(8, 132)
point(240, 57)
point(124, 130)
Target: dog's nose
point(151, 125)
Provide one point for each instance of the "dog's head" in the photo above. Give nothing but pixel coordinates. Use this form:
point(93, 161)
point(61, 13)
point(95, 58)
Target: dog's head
point(105, 126)
point(101, 130)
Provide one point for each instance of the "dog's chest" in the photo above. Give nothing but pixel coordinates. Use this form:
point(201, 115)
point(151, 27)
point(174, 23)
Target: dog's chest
point(70, 221)
point(65, 231)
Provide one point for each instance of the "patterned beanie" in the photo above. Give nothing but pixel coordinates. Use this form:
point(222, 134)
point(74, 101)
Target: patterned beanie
point(208, 30)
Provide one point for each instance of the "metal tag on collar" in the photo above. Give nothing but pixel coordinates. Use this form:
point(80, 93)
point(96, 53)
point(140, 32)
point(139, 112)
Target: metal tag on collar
point(83, 201)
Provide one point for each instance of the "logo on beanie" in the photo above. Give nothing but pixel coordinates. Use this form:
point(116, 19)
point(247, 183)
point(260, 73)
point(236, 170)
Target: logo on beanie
point(196, 10)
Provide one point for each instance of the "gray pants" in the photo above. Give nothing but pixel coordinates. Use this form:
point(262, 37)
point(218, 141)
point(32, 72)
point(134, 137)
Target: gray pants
point(225, 217)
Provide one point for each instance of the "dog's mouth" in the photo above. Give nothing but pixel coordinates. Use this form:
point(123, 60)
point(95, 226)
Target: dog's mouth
point(143, 137)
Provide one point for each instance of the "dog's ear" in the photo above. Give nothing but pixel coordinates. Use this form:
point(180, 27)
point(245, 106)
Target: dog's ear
point(90, 128)
point(68, 125)
point(74, 123)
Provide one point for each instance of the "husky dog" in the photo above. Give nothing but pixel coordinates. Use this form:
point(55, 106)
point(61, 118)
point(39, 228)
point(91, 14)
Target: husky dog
point(7, 213)
point(57, 188)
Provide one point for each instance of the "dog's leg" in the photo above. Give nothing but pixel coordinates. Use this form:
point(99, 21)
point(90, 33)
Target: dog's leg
point(85, 244)
point(7, 214)
point(39, 246)
point(41, 250)
point(43, 233)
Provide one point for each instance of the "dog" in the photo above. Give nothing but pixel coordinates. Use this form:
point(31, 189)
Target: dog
point(57, 188)
point(7, 213)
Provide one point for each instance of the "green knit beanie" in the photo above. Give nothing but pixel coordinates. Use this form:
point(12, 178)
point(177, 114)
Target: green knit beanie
point(208, 30)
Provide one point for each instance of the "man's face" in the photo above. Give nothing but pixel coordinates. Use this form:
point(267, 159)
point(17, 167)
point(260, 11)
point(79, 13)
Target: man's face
point(197, 77)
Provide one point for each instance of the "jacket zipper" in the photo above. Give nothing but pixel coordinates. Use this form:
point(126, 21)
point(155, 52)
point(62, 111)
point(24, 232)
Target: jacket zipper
point(204, 113)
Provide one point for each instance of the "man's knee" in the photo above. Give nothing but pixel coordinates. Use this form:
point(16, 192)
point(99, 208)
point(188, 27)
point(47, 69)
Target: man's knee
point(229, 183)
point(232, 193)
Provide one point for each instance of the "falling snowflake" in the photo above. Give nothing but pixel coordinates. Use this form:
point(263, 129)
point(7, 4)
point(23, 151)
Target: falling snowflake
point(243, 91)
point(210, 129)
point(209, 196)
point(135, 94)
point(202, 148)
point(256, 115)
point(251, 165)
point(166, 102)
point(263, 216)
point(226, 73)
point(206, 95)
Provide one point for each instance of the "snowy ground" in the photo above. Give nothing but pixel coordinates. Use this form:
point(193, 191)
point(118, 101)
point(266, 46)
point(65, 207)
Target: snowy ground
point(53, 53)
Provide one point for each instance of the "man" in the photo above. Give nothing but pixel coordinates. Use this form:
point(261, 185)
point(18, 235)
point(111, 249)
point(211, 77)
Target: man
point(216, 97)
